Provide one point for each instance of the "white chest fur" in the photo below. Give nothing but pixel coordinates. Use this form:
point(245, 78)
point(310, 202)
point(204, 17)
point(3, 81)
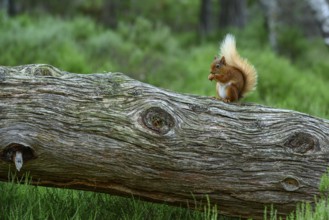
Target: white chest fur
point(221, 89)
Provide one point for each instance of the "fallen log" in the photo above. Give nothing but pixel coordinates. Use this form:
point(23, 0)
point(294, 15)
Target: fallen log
point(110, 133)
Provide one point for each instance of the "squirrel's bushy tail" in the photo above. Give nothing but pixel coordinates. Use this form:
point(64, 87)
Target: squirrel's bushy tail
point(232, 57)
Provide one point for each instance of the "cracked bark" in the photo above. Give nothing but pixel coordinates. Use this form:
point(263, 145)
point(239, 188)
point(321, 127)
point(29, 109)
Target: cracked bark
point(110, 133)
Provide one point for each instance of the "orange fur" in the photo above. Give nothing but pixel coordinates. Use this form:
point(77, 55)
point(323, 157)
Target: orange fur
point(234, 75)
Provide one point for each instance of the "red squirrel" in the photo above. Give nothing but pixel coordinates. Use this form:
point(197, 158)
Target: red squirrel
point(234, 75)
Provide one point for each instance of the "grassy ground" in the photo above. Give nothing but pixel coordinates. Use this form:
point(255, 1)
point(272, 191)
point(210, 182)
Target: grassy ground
point(23, 201)
point(156, 57)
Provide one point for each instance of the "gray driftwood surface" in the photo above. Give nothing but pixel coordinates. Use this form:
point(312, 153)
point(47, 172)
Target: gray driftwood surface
point(110, 133)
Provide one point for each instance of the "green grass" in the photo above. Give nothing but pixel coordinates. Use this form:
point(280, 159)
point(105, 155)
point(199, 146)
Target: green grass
point(304, 211)
point(23, 201)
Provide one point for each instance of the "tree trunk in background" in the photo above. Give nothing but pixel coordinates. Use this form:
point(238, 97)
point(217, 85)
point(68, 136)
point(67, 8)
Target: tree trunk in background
point(270, 8)
point(288, 17)
point(321, 11)
point(111, 12)
point(12, 10)
point(8, 6)
point(232, 13)
point(205, 17)
point(110, 133)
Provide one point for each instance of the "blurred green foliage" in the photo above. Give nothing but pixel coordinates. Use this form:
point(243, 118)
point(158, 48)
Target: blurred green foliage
point(291, 43)
point(180, 15)
point(25, 40)
point(79, 45)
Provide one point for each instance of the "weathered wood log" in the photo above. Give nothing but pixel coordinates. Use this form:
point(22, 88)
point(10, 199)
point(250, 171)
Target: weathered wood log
point(110, 133)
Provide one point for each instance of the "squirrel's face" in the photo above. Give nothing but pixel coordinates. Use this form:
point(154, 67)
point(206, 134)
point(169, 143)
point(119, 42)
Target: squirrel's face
point(215, 67)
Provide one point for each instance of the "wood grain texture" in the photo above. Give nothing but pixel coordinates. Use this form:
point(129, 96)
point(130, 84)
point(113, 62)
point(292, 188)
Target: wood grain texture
point(110, 133)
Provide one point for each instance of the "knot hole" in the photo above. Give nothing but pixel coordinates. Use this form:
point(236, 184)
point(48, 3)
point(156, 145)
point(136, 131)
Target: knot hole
point(158, 120)
point(9, 151)
point(302, 143)
point(290, 183)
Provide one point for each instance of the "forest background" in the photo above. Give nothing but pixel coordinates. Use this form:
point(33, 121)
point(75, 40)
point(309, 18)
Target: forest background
point(170, 44)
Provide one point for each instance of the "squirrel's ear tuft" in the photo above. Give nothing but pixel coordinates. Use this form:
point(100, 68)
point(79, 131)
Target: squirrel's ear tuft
point(215, 57)
point(222, 60)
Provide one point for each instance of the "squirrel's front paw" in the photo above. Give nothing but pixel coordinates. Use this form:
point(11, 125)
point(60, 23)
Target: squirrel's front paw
point(211, 77)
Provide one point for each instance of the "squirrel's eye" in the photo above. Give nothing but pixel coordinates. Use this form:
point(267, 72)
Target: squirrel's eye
point(217, 65)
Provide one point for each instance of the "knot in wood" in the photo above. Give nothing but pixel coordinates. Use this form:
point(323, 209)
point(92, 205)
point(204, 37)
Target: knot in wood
point(158, 120)
point(44, 70)
point(290, 183)
point(302, 143)
point(10, 150)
